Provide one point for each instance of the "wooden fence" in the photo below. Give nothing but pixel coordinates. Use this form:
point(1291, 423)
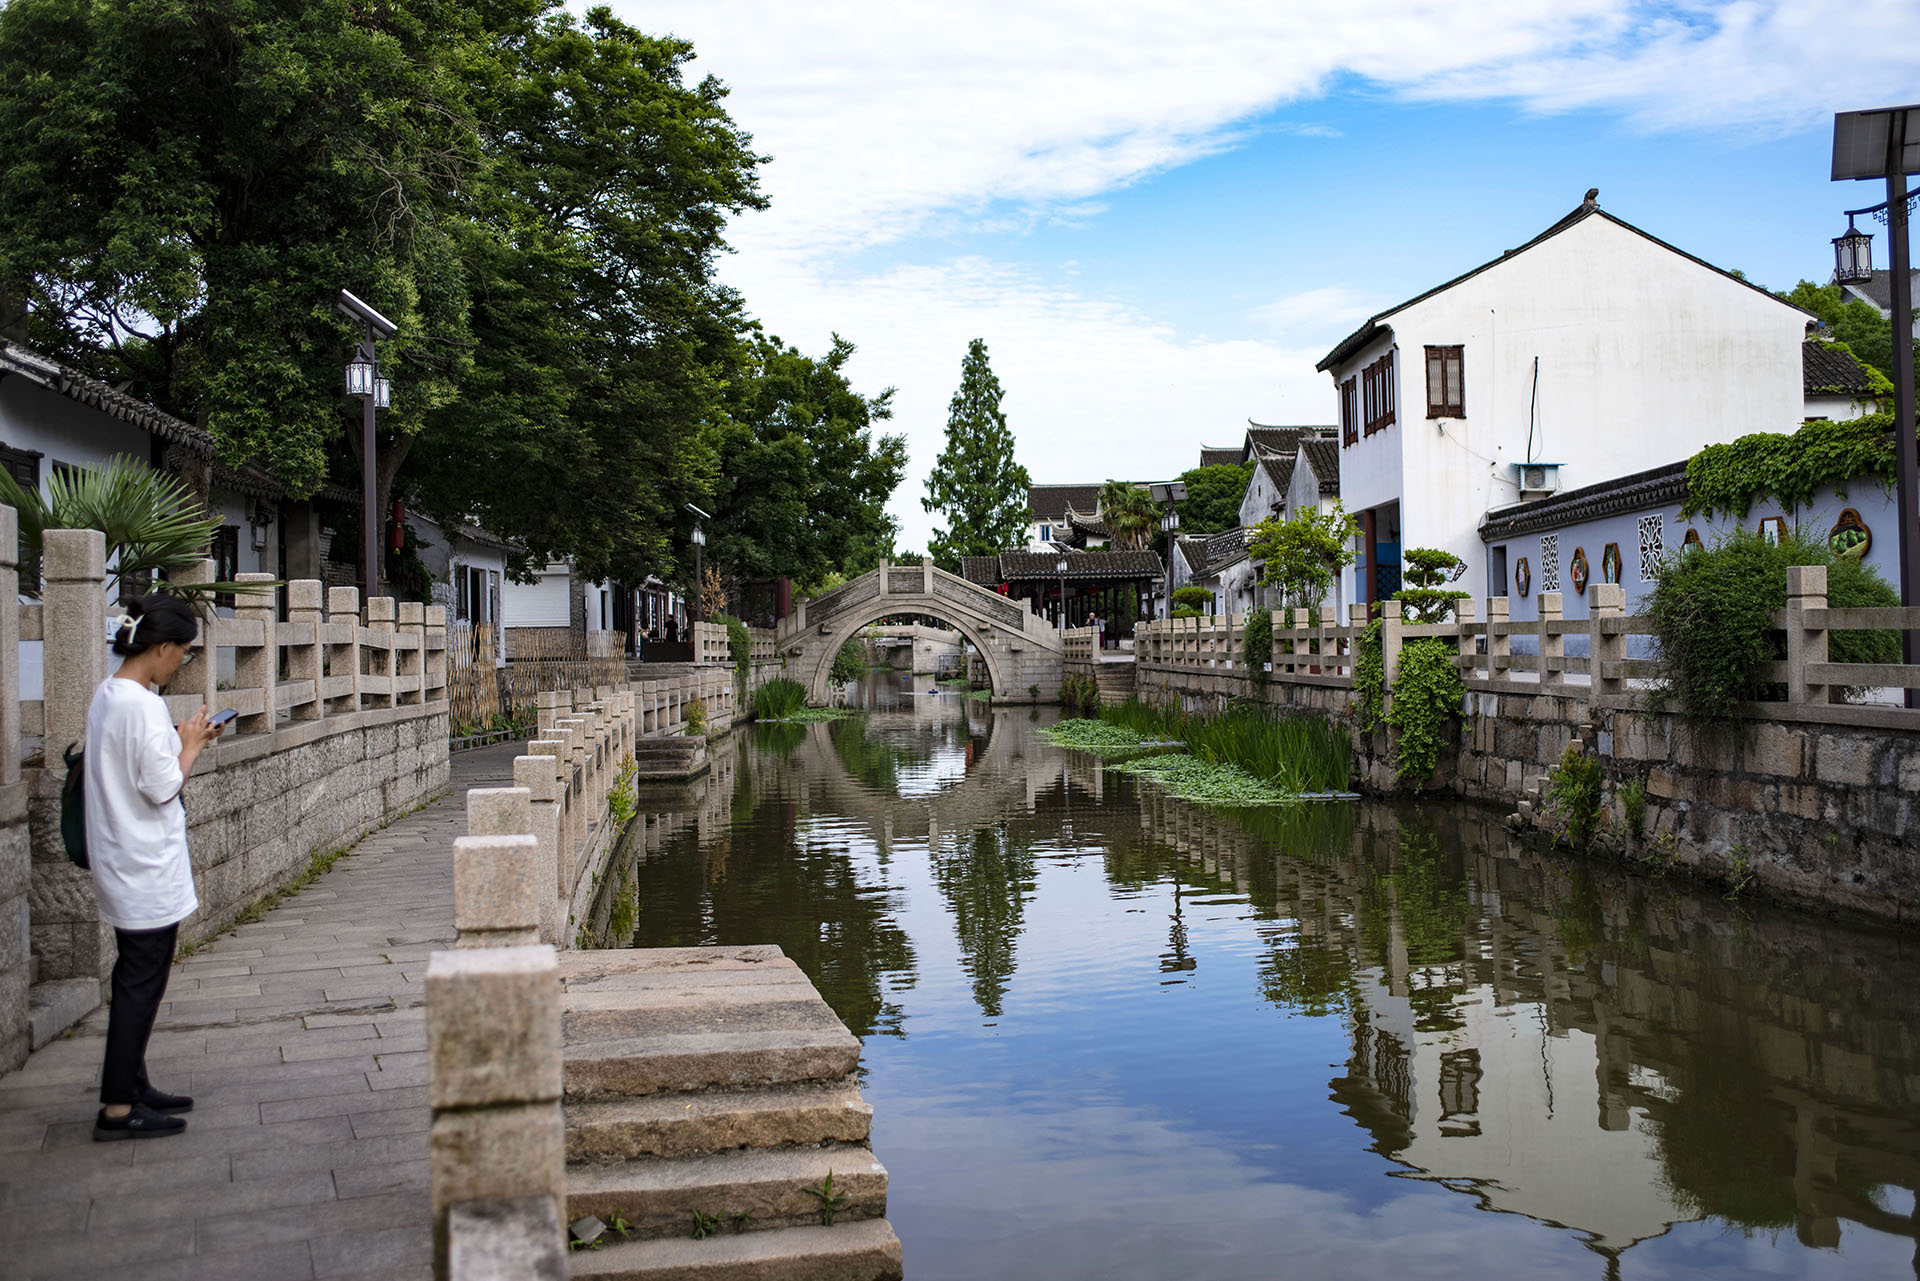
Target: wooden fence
point(1313, 648)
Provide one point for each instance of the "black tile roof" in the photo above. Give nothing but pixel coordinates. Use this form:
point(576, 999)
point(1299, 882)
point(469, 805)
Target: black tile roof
point(1655, 487)
point(1024, 566)
point(1879, 290)
point(1279, 469)
point(1221, 455)
point(1828, 370)
point(1051, 502)
point(1372, 329)
point(91, 392)
point(984, 570)
point(1283, 440)
point(1324, 457)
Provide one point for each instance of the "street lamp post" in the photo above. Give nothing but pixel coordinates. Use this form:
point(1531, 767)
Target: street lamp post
point(1167, 494)
point(1885, 143)
point(365, 380)
point(699, 566)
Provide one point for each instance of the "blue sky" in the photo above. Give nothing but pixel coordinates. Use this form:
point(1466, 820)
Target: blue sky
point(1159, 216)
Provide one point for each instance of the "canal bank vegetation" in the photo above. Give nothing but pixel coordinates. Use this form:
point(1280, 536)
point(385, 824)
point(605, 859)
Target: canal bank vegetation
point(785, 699)
point(1244, 755)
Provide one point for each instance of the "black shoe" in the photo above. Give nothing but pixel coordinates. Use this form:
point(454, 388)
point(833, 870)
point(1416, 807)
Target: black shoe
point(161, 1101)
point(142, 1122)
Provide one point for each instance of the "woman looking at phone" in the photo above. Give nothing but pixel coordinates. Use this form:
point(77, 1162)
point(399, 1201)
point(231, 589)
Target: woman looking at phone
point(137, 763)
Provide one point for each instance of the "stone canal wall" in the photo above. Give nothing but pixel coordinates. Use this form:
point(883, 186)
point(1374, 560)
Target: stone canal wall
point(1812, 800)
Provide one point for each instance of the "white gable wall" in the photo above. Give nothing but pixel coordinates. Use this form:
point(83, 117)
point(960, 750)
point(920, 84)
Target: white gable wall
point(1644, 356)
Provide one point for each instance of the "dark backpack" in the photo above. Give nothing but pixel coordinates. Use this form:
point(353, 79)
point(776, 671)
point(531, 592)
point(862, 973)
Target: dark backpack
point(73, 807)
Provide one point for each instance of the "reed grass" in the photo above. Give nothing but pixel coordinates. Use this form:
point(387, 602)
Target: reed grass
point(778, 699)
point(1293, 753)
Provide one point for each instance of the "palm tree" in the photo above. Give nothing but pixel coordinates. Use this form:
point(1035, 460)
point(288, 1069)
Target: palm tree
point(151, 520)
point(1129, 513)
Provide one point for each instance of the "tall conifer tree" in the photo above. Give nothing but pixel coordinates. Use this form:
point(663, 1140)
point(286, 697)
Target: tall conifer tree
point(975, 483)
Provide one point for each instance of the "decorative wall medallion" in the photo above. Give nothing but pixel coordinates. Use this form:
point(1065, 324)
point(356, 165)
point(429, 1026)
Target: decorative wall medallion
point(1577, 571)
point(1850, 536)
point(1522, 576)
point(1692, 539)
point(1610, 563)
point(1773, 529)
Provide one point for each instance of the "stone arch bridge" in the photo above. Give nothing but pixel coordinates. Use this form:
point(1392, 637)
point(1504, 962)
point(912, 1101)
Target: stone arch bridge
point(1022, 652)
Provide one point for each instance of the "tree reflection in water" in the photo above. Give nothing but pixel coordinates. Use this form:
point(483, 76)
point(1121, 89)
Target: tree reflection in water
point(1596, 1052)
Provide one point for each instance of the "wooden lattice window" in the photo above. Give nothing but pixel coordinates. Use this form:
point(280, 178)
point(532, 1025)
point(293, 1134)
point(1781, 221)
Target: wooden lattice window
point(1446, 376)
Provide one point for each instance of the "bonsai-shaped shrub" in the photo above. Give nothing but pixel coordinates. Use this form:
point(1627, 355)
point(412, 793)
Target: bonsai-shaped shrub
point(1197, 599)
point(1711, 612)
point(1428, 601)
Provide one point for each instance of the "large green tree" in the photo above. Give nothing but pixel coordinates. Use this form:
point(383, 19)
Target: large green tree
point(1867, 333)
point(536, 199)
point(975, 483)
point(1212, 504)
point(804, 481)
point(1129, 513)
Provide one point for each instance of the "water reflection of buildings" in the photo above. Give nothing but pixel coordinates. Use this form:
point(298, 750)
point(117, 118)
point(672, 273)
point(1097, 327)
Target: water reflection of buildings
point(1581, 1048)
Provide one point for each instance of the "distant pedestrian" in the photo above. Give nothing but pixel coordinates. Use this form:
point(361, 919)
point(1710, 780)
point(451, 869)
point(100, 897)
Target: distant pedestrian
point(136, 765)
point(673, 631)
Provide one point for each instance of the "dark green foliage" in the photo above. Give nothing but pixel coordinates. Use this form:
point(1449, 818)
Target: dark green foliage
point(739, 649)
point(1212, 504)
point(778, 698)
point(1080, 693)
point(1574, 795)
point(1304, 553)
point(1633, 799)
point(976, 486)
point(1856, 324)
point(850, 664)
point(1296, 753)
point(1369, 679)
point(1197, 599)
point(1427, 694)
point(1427, 601)
point(1184, 611)
point(803, 480)
point(1256, 646)
point(1711, 617)
point(1819, 457)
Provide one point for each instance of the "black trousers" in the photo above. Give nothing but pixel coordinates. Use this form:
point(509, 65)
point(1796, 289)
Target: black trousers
point(139, 981)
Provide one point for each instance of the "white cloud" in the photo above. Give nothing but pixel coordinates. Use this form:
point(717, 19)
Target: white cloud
point(889, 119)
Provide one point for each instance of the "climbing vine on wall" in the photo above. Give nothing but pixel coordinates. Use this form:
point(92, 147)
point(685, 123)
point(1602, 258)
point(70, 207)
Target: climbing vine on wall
point(1427, 693)
point(1369, 678)
point(1791, 468)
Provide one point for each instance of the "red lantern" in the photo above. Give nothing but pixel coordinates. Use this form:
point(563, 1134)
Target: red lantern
point(397, 535)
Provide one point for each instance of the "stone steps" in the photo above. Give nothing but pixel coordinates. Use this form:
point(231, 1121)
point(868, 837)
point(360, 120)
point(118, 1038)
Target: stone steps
point(748, 1190)
point(716, 1081)
point(864, 1251)
point(671, 1125)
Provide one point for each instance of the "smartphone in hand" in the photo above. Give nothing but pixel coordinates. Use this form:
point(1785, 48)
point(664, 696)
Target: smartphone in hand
point(220, 720)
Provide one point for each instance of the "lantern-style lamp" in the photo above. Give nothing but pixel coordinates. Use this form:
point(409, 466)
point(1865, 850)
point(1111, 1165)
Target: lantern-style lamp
point(360, 375)
point(699, 535)
point(382, 393)
point(1852, 255)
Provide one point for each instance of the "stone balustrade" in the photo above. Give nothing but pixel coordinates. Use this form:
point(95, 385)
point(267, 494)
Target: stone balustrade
point(342, 725)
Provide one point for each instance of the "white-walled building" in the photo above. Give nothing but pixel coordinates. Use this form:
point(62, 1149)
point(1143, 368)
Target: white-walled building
point(1592, 351)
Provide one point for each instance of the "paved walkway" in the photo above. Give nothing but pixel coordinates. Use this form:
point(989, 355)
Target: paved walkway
point(303, 1041)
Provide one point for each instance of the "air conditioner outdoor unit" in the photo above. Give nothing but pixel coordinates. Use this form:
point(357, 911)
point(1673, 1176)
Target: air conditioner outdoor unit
point(1536, 479)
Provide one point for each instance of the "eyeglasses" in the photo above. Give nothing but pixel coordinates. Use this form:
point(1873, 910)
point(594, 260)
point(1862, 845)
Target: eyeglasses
point(187, 656)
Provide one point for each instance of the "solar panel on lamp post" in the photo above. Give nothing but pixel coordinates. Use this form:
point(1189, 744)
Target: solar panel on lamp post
point(1885, 143)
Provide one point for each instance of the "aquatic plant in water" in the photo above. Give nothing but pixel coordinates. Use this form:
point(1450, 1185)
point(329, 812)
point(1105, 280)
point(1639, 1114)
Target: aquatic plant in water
point(1197, 780)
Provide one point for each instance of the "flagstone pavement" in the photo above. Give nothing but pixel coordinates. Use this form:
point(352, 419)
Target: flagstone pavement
point(302, 1039)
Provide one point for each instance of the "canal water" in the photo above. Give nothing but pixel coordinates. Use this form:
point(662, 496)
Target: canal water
point(1109, 1034)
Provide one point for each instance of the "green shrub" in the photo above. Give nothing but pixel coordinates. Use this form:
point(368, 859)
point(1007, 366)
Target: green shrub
point(1256, 646)
point(1426, 601)
point(696, 717)
point(1369, 678)
point(620, 797)
point(1573, 795)
point(850, 664)
point(1633, 799)
point(1183, 612)
point(739, 649)
point(1080, 693)
point(1427, 693)
point(1711, 617)
point(1197, 599)
point(778, 699)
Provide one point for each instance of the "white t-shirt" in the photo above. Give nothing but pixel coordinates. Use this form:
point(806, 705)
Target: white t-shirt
point(136, 825)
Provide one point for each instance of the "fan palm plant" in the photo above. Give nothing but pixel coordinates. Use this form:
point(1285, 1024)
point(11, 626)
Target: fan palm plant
point(1129, 513)
point(152, 523)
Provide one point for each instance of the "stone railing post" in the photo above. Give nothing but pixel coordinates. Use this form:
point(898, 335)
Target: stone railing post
point(1806, 589)
point(539, 778)
point(380, 621)
point(498, 1142)
point(258, 668)
point(548, 805)
point(1463, 620)
point(1608, 601)
point(497, 887)
point(1499, 639)
point(74, 628)
point(410, 665)
point(305, 664)
point(1329, 620)
point(343, 647)
point(200, 679)
point(1552, 647)
point(433, 657)
point(1392, 637)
